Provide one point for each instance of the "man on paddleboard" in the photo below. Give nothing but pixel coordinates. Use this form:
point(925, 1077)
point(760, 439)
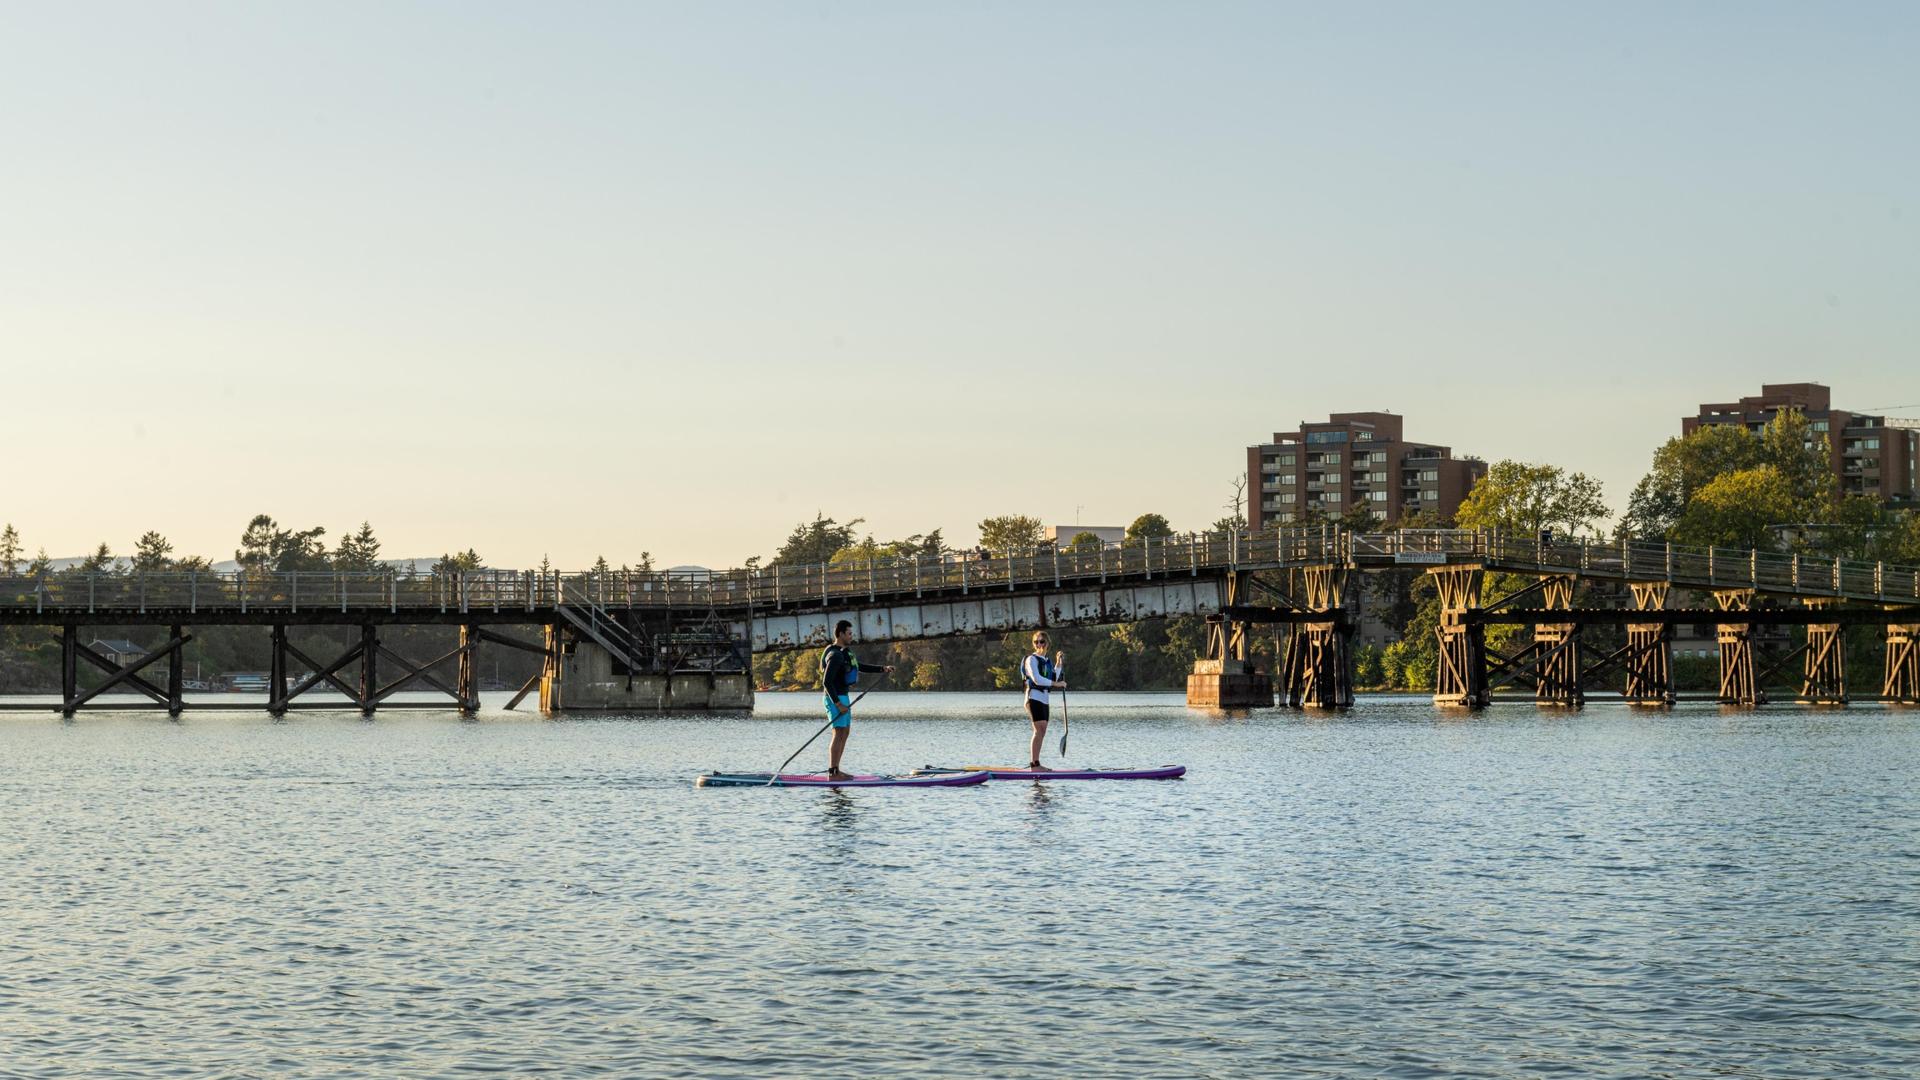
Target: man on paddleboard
point(839, 671)
point(1042, 677)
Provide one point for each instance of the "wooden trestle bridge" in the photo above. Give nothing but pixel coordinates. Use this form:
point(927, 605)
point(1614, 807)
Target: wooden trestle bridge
point(633, 639)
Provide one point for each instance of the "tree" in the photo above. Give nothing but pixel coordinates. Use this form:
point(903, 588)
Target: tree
point(151, 552)
point(1735, 510)
point(601, 567)
point(1147, 527)
point(10, 550)
point(458, 562)
point(358, 550)
point(100, 561)
point(1683, 466)
point(1010, 532)
point(1527, 498)
point(815, 541)
point(266, 546)
point(1236, 506)
point(1085, 541)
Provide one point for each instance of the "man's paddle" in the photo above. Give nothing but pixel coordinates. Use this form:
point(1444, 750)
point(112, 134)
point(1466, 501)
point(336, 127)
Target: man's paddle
point(1063, 706)
point(831, 717)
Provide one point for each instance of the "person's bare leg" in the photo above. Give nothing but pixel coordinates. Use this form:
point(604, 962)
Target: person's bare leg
point(837, 747)
point(1039, 740)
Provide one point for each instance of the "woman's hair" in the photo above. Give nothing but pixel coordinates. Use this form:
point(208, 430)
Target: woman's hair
point(1039, 637)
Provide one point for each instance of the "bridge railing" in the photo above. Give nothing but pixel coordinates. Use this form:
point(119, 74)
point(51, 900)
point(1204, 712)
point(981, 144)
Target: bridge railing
point(856, 579)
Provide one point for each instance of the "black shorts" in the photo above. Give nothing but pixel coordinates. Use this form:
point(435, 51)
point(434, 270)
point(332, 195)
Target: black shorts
point(1037, 711)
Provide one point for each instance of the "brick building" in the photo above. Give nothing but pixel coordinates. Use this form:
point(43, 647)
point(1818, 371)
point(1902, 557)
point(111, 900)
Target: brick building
point(1872, 455)
point(1349, 461)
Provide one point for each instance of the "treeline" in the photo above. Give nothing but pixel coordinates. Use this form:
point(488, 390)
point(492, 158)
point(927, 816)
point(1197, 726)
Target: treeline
point(30, 656)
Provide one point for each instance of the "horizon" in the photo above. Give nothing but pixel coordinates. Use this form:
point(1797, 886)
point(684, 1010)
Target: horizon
point(585, 281)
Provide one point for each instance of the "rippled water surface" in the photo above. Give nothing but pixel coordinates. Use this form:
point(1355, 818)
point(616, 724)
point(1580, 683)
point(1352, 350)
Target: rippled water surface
point(1390, 892)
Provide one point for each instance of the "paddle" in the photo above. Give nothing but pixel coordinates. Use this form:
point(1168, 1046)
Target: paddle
point(1062, 660)
point(831, 717)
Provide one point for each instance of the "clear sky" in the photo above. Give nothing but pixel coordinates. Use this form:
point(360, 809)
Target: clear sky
point(573, 279)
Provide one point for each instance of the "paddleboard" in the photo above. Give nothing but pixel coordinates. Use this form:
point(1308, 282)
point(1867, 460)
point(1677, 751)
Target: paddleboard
point(1021, 772)
point(946, 779)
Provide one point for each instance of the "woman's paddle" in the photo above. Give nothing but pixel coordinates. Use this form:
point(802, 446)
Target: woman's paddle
point(1063, 707)
point(831, 717)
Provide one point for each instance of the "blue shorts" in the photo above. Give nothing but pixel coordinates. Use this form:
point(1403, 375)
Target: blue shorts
point(841, 710)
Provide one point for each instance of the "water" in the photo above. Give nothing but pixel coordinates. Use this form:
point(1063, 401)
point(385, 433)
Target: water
point(1389, 893)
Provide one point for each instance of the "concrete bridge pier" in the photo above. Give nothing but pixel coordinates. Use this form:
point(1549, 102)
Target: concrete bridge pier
point(1902, 683)
point(1460, 680)
point(1225, 678)
point(1825, 675)
point(1649, 649)
point(1557, 648)
point(584, 676)
point(1739, 680)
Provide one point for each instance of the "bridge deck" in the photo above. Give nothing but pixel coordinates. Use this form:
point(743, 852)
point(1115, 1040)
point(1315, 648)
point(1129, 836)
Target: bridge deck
point(501, 595)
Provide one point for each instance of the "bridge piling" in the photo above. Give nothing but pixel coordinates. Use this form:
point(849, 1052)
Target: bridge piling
point(1460, 679)
point(1739, 683)
point(1318, 669)
point(1649, 649)
point(176, 674)
point(1825, 679)
point(69, 668)
point(1557, 648)
point(277, 672)
point(1224, 678)
point(1901, 685)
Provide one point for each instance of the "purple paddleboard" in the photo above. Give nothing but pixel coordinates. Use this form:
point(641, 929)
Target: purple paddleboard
point(718, 779)
point(1021, 772)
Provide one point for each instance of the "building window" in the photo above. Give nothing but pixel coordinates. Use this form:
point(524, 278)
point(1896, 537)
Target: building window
point(1331, 496)
point(1287, 497)
point(1326, 436)
point(1376, 496)
point(1379, 455)
point(1819, 425)
point(1287, 478)
point(1364, 436)
point(1378, 478)
point(1430, 475)
point(1430, 495)
point(1330, 459)
point(1286, 459)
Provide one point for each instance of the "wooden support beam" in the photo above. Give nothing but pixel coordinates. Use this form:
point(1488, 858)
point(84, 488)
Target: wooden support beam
point(1739, 684)
point(512, 643)
point(1557, 668)
point(1825, 675)
point(125, 673)
point(87, 653)
point(319, 673)
point(526, 688)
point(369, 668)
point(422, 673)
point(1461, 676)
point(277, 696)
point(468, 681)
point(1901, 685)
point(176, 674)
point(1650, 659)
point(69, 669)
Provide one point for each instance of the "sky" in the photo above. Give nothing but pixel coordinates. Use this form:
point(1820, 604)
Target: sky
point(580, 279)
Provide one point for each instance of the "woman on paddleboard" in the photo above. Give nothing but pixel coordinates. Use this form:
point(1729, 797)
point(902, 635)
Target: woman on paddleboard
point(839, 671)
point(1042, 677)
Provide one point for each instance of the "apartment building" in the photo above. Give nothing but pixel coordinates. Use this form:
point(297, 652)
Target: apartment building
point(1873, 456)
point(1350, 461)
